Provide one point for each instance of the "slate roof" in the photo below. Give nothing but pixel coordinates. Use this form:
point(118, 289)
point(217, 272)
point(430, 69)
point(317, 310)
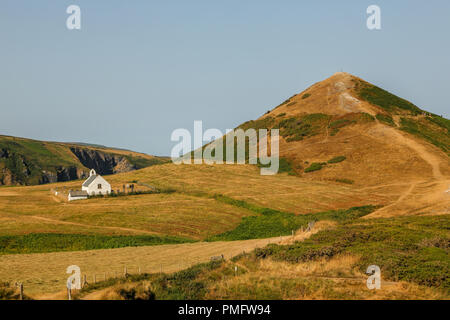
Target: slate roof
point(78, 193)
point(89, 180)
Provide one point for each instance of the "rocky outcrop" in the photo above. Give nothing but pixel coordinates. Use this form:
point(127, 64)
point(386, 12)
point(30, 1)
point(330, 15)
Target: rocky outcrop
point(16, 169)
point(63, 174)
point(103, 163)
point(6, 177)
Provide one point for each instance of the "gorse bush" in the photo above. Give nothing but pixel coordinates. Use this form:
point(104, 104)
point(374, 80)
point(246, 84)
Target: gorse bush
point(439, 138)
point(412, 249)
point(386, 119)
point(384, 99)
point(314, 167)
point(337, 159)
point(306, 96)
point(285, 166)
point(296, 129)
point(344, 180)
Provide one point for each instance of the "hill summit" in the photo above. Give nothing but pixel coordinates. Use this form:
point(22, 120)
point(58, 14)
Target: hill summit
point(346, 130)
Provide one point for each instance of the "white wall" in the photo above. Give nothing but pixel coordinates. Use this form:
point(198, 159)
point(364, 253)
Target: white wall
point(93, 187)
point(76, 198)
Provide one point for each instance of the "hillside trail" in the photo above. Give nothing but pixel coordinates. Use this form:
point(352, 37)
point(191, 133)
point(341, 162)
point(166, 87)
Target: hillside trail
point(433, 192)
point(391, 135)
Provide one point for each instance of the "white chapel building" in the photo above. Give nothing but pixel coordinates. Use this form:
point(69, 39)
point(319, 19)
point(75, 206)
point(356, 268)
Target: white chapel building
point(96, 185)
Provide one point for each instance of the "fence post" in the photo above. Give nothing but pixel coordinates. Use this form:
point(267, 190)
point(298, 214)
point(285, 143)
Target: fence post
point(139, 270)
point(20, 285)
point(21, 291)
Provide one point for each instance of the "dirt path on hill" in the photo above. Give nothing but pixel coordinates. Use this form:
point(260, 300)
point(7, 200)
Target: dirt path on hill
point(430, 196)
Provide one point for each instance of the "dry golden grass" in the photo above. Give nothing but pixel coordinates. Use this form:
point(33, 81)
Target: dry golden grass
point(45, 273)
point(190, 212)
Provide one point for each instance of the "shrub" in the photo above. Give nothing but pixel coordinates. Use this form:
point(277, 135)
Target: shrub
point(296, 129)
point(437, 137)
point(285, 166)
point(315, 166)
point(337, 159)
point(384, 99)
point(306, 96)
point(386, 119)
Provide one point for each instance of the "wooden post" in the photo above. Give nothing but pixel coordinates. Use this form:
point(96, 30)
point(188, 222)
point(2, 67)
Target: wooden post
point(20, 285)
point(21, 291)
point(139, 270)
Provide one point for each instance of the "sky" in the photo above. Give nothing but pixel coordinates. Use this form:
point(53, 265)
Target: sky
point(138, 70)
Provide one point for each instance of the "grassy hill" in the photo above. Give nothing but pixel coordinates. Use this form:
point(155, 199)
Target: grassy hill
point(372, 169)
point(374, 129)
point(29, 162)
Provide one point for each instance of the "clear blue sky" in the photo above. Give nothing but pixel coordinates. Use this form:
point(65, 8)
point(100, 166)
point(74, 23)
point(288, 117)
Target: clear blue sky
point(137, 70)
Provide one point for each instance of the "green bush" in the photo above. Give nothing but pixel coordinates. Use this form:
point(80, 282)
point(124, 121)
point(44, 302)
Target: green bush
point(296, 129)
point(386, 119)
point(337, 159)
point(314, 167)
point(285, 166)
point(306, 95)
point(437, 137)
point(384, 99)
